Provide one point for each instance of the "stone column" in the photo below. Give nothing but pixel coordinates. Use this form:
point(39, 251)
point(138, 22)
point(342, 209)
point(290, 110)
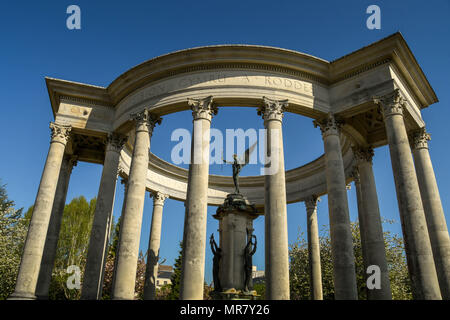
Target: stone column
point(193, 262)
point(340, 231)
point(51, 242)
point(315, 272)
point(151, 270)
point(415, 233)
point(371, 229)
point(34, 245)
point(125, 183)
point(434, 213)
point(131, 222)
point(275, 219)
point(103, 216)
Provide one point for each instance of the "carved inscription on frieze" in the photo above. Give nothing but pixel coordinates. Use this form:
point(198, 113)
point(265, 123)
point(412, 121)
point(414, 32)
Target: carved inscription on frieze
point(217, 79)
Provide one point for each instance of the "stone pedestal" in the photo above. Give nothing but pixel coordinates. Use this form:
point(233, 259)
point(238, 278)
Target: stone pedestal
point(235, 216)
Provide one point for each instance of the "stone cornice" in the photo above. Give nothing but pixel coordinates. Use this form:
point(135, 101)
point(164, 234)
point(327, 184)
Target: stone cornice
point(392, 50)
point(85, 102)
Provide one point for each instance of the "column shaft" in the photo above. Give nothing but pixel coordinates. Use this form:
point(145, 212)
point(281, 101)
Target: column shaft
point(415, 233)
point(124, 182)
point(315, 272)
point(194, 242)
point(103, 217)
point(434, 213)
point(37, 231)
point(131, 222)
point(371, 229)
point(275, 219)
point(151, 271)
point(51, 242)
point(340, 231)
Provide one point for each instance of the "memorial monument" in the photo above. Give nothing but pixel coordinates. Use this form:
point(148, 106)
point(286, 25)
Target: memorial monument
point(235, 217)
point(366, 99)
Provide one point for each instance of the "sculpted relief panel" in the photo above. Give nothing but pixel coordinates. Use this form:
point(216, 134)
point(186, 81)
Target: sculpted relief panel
point(233, 84)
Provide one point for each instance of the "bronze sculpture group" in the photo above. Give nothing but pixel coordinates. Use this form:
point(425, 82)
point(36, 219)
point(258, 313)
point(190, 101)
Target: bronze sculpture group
point(249, 251)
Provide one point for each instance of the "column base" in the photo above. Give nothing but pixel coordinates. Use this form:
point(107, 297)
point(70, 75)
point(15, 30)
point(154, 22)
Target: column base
point(22, 296)
point(233, 294)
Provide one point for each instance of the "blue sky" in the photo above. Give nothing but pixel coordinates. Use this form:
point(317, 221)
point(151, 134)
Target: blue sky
point(116, 36)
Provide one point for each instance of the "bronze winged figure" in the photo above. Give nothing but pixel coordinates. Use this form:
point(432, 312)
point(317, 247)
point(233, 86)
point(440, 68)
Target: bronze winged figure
point(238, 164)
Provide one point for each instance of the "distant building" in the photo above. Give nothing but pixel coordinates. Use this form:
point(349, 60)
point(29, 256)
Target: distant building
point(164, 275)
point(258, 276)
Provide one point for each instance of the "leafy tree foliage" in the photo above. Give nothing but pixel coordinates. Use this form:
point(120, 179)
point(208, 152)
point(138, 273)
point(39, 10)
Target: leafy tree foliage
point(260, 289)
point(72, 246)
point(176, 277)
point(13, 231)
point(299, 266)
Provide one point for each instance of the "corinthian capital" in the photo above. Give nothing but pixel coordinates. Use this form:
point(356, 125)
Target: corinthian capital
point(355, 175)
point(69, 161)
point(115, 142)
point(329, 125)
point(60, 133)
point(202, 108)
point(419, 139)
point(391, 103)
point(158, 198)
point(145, 121)
point(311, 202)
point(363, 154)
point(272, 109)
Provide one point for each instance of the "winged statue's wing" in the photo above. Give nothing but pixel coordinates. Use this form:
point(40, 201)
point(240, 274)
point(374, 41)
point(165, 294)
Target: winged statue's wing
point(247, 154)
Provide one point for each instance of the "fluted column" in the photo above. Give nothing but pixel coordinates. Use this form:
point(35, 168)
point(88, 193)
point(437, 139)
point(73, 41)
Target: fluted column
point(315, 272)
point(131, 221)
point(371, 229)
point(340, 230)
point(434, 213)
point(37, 231)
point(415, 233)
point(151, 270)
point(275, 211)
point(103, 216)
point(51, 242)
point(193, 262)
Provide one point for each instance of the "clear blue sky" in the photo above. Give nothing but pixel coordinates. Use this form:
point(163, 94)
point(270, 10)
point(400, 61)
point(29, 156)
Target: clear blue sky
point(117, 35)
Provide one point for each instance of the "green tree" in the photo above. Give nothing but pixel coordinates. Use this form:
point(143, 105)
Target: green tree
point(72, 245)
point(13, 230)
point(176, 276)
point(260, 289)
point(299, 268)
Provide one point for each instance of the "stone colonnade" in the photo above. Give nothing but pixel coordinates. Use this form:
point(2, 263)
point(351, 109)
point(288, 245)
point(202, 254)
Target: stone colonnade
point(423, 223)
